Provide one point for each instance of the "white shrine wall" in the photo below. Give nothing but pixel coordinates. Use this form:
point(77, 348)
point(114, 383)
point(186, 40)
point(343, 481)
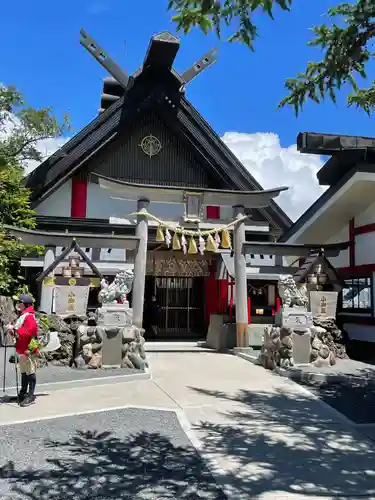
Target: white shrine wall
point(58, 204)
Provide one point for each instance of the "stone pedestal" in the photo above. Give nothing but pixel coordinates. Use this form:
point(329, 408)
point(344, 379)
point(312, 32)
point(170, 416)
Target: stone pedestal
point(301, 347)
point(294, 317)
point(112, 318)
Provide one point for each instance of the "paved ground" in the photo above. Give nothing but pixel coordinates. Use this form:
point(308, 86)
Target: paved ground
point(261, 436)
point(96, 456)
point(50, 374)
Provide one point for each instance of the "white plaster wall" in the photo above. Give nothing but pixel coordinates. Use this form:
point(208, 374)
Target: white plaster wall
point(342, 260)
point(101, 204)
point(59, 203)
point(364, 249)
point(260, 260)
point(366, 217)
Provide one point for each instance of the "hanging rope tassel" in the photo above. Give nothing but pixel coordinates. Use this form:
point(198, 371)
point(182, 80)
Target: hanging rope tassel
point(176, 245)
point(192, 246)
point(210, 244)
point(225, 239)
point(159, 235)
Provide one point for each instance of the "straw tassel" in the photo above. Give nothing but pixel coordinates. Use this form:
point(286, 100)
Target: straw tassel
point(225, 239)
point(176, 245)
point(210, 244)
point(159, 235)
point(192, 246)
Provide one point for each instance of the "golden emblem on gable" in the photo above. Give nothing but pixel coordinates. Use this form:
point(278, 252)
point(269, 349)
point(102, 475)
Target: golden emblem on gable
point(150, 145)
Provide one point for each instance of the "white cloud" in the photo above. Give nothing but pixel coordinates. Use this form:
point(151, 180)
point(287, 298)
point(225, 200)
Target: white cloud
point(262, 154)
point(47, 147)
point(274, 166)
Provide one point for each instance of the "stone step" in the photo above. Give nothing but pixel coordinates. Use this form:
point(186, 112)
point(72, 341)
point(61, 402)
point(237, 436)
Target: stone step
point(177, 346)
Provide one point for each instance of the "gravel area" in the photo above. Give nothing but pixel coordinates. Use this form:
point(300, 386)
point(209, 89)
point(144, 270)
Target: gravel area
point(51, 374)
point(126, 454)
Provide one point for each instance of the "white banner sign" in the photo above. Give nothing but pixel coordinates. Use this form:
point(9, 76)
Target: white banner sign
point(71, 300)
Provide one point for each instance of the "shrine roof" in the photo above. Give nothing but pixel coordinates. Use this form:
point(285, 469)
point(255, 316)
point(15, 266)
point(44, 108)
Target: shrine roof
point(155, 86)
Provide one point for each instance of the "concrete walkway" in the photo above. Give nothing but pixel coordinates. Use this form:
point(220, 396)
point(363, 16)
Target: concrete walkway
point(263, 436)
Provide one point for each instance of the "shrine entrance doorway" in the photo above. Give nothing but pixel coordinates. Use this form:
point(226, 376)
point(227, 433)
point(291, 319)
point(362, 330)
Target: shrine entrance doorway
point(181, 301)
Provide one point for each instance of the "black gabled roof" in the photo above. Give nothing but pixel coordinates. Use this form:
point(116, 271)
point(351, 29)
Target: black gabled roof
point(314, 259)
point(150, 87)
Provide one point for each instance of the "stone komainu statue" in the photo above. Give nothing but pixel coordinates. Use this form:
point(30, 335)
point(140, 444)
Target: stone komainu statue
point(291, 294)
point(120, 288)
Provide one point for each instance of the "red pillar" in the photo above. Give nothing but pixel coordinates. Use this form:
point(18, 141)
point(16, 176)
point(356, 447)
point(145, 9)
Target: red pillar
point(79, 198)
point(278, 304)
point(248, 310)
point(352, 243)
point(231, 300)
point(223, 295)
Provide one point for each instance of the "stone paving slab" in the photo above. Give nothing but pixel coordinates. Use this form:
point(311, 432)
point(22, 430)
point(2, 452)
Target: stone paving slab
point(281, 455)
point(125, 454)
point(52, 374)
point(88, 399)
point(264, 436)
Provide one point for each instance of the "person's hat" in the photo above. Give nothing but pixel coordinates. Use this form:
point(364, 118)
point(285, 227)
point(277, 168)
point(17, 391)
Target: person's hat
point(26, 299)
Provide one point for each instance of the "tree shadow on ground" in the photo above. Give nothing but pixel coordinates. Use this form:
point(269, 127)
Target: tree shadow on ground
point(101, 466)
point(354, 396)
point(272, 443)
point(281, 443)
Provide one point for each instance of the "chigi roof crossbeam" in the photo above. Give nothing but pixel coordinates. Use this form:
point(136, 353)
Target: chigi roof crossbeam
point(160, 54)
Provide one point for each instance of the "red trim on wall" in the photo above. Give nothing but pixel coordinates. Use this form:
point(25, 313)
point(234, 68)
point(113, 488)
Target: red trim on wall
point(212, 212)
point(352, 243)
point(365, 229)
point(223, 295)
point(79, 198)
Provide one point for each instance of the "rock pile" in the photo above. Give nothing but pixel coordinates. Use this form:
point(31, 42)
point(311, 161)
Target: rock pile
point(326, 337)
point(327, 344)
point(277, 348)
point(7, 316)
point(52, 322)
point(133, 351)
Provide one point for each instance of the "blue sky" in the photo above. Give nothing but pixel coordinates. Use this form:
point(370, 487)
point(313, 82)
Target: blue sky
point(42, 56)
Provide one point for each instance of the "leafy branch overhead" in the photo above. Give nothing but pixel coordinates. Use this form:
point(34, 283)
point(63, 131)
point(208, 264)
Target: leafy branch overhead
point(346, 43)
point(21, 128)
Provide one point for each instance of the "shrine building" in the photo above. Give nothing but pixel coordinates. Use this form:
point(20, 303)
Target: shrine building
point(345, 212)
point(149, 148)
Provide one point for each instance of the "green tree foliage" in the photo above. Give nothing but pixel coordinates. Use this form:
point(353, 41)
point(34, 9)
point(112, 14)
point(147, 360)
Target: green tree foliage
point(345, 43)
point(21, 127)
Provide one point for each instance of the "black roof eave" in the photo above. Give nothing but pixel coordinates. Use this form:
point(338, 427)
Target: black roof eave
point(109, 120)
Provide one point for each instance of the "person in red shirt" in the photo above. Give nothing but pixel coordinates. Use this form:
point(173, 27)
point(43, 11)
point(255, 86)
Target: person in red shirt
point(24, 331)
